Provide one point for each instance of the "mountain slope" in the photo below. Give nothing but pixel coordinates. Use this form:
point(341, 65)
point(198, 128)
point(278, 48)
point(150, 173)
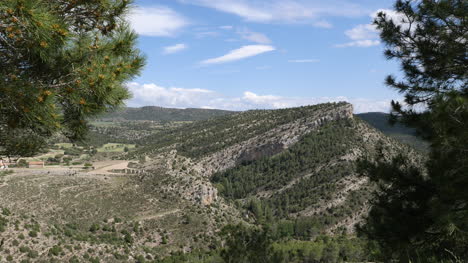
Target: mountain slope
point(316, 179)
point(159, 114)
point(398, 131)
point(293, 163)
point(293, 169)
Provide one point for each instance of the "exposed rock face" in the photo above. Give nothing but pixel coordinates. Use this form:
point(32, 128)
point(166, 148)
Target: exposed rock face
point(266, 150)
point(207, 194)
point(272, 141)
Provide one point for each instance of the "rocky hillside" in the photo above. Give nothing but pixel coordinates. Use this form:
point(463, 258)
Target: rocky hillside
point(293, 169)
point(290, 164)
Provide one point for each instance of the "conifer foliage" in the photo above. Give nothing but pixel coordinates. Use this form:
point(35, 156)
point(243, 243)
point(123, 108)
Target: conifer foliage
point(61, 61)
point(422, 214)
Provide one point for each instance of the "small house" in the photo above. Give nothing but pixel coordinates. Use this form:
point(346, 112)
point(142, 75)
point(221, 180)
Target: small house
point(36, 164)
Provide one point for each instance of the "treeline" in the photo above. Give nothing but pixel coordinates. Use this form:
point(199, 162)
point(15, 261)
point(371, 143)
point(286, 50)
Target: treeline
point(258, 244)
point(160, 114)
point(204, 137)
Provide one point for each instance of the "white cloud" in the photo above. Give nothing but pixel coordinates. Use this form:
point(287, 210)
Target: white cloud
point(155, 95)
point(206, 34)
point(253, 36)
point(175, 48)
point(303, 61)
point(361, 32)
point(360, 43)
point(152, 94)
point(241, 53)
point(322, 24)
point(367, 35)
point(364, 35)
point(284, 11)
point(258, 99)
point(226, 27)
point(157, 21)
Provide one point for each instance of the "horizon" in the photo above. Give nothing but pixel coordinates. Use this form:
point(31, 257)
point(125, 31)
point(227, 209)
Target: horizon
point(240, 55)
point(253, 109)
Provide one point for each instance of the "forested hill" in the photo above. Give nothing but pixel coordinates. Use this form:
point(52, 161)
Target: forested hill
point(151, 113)
point(292, 168)
point(407, 135)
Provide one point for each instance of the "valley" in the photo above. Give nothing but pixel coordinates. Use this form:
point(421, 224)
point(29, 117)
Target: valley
point(159, 190)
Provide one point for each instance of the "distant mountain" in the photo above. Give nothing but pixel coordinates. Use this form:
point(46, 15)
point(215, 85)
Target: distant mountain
point(151, 113)
point(380, 121)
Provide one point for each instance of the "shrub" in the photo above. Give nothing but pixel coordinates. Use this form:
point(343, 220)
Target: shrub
point(33, 233)
point(94, 228)
point(6, 212)
point(24, 249)
point(55, 251)
point(33, 254)
point(22, 163)
point(72, 151)
point(74, 259)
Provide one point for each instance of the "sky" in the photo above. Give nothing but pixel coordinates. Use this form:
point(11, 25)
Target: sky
point(261, 54)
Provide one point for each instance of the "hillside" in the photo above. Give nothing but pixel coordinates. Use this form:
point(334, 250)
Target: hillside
point(159, 114)
point(289, 164)
point(380, 121)
point(292, 169)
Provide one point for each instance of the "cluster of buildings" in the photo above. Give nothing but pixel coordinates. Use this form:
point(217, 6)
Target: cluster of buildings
point(4, 164)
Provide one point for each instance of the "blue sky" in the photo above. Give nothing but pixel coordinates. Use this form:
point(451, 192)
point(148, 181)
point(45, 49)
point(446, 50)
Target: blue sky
point(249, 54)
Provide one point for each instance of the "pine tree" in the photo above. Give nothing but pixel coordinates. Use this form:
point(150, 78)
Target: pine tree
point(61, 62)
point(422, 214)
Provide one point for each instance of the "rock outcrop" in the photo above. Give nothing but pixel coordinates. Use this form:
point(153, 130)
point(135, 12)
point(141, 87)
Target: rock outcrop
point(273, 141)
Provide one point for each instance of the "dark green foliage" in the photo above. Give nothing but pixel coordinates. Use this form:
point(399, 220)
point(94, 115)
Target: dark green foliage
point(6, 211)
point(400, 208)
point(194, 257)
point(62, 61)
point(55, 251)
point(24, 249)
point(94, 228)
point(32, 254)
point(432, 203)
point(32, 233)
point(246, 245)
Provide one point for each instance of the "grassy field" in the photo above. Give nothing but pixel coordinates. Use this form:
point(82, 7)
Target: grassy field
point(64, 145)
point(115, 147)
